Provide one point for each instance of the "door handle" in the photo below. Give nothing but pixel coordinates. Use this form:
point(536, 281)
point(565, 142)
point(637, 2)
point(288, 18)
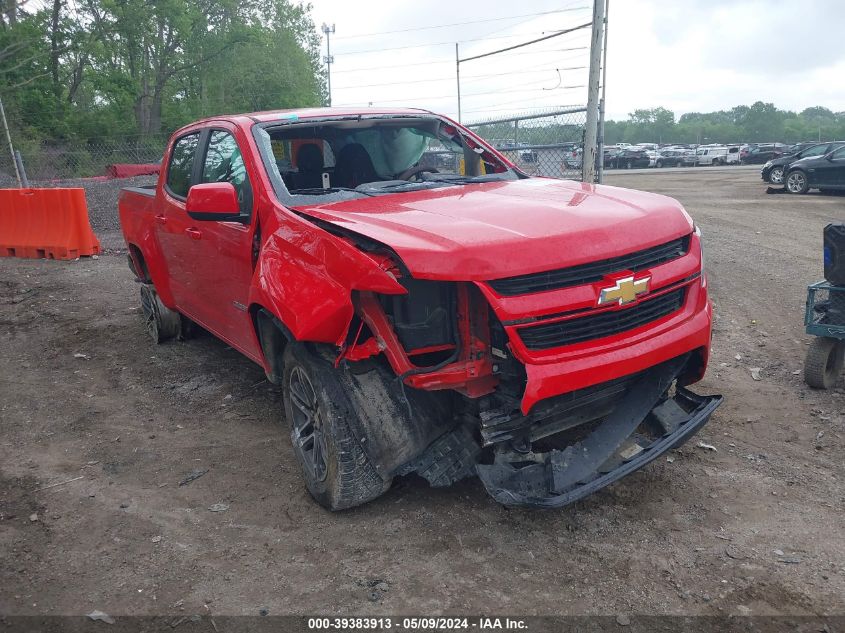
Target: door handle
point(194, 234)
point(161, 218)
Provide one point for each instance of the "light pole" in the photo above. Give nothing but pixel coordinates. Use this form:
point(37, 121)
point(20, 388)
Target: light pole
point(328, 59)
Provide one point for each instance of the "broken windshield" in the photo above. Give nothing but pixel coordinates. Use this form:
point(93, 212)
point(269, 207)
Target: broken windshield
point(347, 158)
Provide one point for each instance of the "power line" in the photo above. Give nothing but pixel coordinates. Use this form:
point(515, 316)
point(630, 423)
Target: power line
point(398, 48)
point(510, 48)
point(443, 26)
point(546, 69)
point(452, 96)
point(452, 61)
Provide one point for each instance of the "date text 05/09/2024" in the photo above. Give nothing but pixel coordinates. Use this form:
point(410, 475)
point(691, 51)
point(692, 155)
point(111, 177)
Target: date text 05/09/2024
point(417, 624)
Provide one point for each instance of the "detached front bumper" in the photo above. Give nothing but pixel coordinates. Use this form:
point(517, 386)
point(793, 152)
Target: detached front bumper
point(644, 425)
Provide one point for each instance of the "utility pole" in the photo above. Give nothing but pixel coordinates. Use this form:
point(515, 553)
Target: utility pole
point(600, 152)
point(11, 147)
point(588, 162)
point(458, 76)
point(328, 59)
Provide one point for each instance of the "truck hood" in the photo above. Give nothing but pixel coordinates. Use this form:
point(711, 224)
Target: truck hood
point(492, 230)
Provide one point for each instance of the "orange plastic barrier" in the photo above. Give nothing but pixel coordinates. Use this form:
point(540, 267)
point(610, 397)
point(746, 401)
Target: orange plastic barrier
point(45, 223)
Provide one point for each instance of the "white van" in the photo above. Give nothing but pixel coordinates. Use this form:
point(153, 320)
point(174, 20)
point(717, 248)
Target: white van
point(712, 155)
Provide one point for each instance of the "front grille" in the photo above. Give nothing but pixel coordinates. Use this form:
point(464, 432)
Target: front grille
point(595, 326)
point(592, 272)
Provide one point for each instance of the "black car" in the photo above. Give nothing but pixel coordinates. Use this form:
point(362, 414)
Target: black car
point(800, 147)
point(762, 153)
point(773, 170)
point(669, 158)
point(826, 173)
point(630, 158)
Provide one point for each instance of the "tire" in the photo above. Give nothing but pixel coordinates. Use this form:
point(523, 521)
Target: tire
point(776, 175)
point(824, 362)
point(161, 322)
point(629, 164)
point(716, 162)
point(796, 182)
point(659, 164)
point(336, 470)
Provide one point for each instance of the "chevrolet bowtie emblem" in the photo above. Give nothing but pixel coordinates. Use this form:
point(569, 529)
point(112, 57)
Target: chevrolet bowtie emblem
point(624, 291)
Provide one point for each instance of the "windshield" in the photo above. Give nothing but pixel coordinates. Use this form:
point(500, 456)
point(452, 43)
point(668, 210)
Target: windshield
point(349, 158)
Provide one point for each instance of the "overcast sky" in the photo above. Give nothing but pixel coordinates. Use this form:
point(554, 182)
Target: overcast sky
point(686, 55)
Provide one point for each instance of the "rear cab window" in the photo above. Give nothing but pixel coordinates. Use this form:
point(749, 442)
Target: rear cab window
point(181, 165)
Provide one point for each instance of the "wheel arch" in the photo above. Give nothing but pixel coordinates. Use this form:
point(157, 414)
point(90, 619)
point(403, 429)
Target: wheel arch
point(273, 337)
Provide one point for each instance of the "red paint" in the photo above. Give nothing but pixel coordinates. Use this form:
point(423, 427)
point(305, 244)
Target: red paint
point(314, 282)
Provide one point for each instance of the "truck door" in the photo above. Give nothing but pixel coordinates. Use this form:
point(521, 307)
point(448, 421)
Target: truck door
point(222, 251)
point(171, 220)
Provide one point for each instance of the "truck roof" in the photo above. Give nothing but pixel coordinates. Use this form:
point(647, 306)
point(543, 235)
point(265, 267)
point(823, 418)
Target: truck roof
point(270, 116)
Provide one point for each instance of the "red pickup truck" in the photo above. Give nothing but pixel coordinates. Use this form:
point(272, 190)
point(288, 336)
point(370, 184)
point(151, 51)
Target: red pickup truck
point(426, 306)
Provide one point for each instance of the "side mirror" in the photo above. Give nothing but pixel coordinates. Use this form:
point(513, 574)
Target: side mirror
point(213, 201)
point(829, 157)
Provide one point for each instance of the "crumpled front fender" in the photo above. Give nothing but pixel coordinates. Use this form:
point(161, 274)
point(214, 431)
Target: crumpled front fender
point(305, 276)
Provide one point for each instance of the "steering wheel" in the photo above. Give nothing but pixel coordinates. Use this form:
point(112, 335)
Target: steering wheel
point(416, 170)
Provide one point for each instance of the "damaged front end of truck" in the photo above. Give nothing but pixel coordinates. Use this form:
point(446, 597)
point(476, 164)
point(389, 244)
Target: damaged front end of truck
point(453, 402)
point(538, 334)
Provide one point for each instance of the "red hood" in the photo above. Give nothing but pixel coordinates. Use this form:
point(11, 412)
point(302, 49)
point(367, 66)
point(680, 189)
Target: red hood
point(501, 229)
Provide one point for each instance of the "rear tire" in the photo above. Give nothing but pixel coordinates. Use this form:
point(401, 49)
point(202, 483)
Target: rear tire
point(161, 322)
point(716, 162)
point(796, 182)
point(824, 362)
point(337, 472)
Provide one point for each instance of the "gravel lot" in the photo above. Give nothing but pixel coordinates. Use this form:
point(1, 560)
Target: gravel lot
point(754, 527)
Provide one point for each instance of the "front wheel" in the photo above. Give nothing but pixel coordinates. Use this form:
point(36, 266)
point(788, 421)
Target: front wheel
point(337, 472)
point(824, 362)
point(776, 176)
point(796, 182)
point(659, 164)
point(716, 162)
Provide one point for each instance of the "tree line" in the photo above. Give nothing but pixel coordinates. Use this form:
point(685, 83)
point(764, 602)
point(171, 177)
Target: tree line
point(759, 122)
point(80, 70)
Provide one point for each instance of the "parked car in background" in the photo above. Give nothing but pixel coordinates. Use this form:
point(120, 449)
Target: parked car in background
point(774, 169)
point(669, 158)
point(763, 152)
point(572, 156)
point(609, 156)
point(733, 155)
point(711, 155)
point(826, 173)
point(631, 158)
point(799, 147)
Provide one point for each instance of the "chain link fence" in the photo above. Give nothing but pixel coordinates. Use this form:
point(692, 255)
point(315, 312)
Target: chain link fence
point(46, 161)
point(547, 143)
point(544, 143)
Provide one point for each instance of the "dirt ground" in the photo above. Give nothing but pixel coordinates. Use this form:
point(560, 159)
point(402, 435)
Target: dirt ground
point(89, 403)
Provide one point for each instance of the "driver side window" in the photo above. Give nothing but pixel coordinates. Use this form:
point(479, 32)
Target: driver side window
point(814, 151)
point(224, 163)
point(839, 154)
